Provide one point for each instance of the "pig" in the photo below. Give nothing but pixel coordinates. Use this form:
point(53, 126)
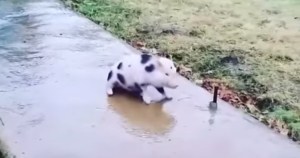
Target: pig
point(136, 72)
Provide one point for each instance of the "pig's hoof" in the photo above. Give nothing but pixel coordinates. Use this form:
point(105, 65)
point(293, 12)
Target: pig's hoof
point(174, 87)
point(109, 92)
point(168, 98)
point(147, 100)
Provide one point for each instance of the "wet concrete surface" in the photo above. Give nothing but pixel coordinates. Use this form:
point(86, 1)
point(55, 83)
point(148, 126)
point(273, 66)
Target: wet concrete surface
point(53, 102)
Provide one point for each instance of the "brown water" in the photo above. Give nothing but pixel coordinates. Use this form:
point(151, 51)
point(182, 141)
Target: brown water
point(53, 102)
point(141, 120)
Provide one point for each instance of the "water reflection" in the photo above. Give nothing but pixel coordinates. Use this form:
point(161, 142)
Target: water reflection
point(212, 110)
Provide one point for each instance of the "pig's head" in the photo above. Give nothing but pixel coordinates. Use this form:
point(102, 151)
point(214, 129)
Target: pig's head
point(168, 70)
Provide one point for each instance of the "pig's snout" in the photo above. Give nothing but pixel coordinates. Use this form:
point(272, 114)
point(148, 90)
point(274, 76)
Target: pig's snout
point(172, 85)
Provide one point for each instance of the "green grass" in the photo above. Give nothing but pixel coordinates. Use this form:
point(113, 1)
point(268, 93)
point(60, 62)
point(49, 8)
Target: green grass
point(113, 16)
point(3, 151)
point(290, 117)
point(207, 35)
point(2, 155)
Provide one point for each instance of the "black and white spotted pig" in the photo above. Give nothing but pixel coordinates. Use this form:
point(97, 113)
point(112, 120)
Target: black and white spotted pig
point(135, 72)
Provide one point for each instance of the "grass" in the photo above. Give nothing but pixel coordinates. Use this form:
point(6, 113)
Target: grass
point(3, 151)
point(2, 155)
point(251, 45)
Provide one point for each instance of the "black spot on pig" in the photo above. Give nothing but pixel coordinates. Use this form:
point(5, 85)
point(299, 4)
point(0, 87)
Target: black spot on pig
point(136, 88)
point(116, 84)
point(149, 68)
point(109, 75)
point(121, 78)
point(160, 90)
point(145, 84)
point(145, 58)
point(120, 65)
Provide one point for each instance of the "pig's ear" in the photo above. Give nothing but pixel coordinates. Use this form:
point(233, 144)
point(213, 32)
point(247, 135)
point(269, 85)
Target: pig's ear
point(160, 62)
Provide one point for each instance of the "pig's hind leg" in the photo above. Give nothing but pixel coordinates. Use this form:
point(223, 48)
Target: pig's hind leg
point(110, 83)
point(143, 92)
point(162, 91)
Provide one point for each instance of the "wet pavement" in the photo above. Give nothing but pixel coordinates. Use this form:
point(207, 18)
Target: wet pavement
point(53, 102)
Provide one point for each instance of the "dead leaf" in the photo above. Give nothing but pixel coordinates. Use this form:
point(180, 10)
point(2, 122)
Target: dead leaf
point(153, 51)
point(251, 107)
point(184, 71)
point(199, 82)
point(138, 44)
point(284, 130)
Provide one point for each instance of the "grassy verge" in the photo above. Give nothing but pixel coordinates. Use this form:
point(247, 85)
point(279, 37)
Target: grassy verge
point(251, 47)
point(2, 155)
point(3, 151)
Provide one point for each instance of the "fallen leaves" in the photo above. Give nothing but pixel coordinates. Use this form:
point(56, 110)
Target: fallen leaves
point(138, 44)
point(247, 103)
point(184, 71)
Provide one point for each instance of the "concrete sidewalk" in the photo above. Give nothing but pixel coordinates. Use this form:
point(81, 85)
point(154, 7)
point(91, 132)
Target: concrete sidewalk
point(53, 103)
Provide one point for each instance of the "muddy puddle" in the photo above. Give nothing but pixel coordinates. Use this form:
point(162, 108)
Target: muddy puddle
point(141, 119)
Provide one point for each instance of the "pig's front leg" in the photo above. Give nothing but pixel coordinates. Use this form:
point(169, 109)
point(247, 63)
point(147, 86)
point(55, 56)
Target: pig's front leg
point(145, 96)
point(161, 90)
